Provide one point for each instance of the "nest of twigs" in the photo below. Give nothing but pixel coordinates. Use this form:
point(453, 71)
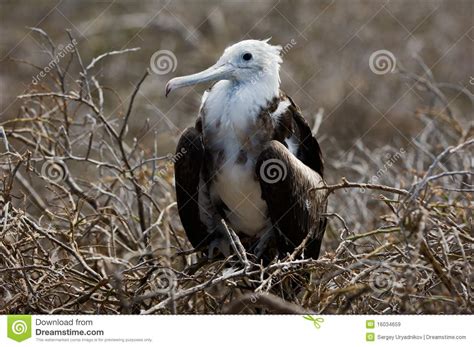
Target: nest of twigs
point(89, 223)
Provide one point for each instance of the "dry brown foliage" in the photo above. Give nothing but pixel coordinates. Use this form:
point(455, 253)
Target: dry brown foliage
point(105, 236)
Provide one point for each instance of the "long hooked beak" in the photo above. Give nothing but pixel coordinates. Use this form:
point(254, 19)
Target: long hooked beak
point(214, 73)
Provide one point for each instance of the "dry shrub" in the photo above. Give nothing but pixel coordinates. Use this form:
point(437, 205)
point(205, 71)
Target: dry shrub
point(104, 235)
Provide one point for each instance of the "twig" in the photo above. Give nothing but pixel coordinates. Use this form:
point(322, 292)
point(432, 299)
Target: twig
point(100, 57)
point(269, 302)
point(346, 184)
point(236, 245)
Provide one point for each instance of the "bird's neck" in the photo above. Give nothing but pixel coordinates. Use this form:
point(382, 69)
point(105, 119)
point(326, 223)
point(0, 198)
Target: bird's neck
point(236, 105)
point(231, 109)
point(257, 90)
point(245, 98)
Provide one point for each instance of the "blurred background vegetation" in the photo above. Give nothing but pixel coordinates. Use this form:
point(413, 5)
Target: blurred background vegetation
point(325, 67)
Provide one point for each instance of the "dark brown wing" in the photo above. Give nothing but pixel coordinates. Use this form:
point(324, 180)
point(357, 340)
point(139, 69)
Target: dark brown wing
point(189, 158)
point(294, 211)
point(309, 151)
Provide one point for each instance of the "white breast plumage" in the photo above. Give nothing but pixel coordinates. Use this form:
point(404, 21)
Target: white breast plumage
point(227, 122)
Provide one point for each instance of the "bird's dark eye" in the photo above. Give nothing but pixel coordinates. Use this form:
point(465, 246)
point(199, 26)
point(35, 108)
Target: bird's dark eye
point(247, 56)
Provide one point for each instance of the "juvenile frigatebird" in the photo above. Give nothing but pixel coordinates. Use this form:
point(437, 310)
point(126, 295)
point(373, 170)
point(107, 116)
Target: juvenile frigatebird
point(250, 160)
